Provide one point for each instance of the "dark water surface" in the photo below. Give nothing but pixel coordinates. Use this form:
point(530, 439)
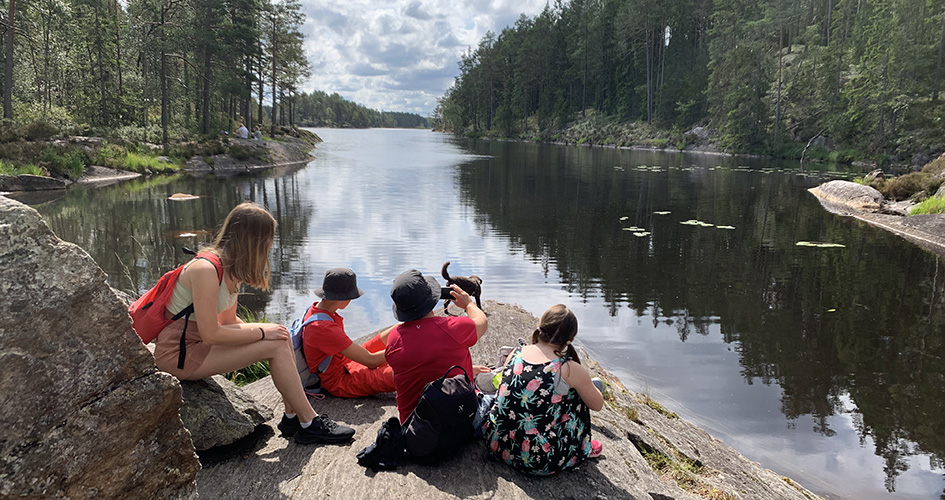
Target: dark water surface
point(823, 364)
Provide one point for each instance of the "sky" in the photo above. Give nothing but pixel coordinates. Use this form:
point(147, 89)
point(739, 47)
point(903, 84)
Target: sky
point(398, 55)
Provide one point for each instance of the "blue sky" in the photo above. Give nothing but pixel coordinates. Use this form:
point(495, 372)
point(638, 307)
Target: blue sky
point(398, 55)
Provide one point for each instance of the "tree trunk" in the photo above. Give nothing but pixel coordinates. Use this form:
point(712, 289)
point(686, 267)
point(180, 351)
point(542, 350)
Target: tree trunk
point(187, 111)
point(118, 48)
point(938, 66)
point(164, 140)
point(259, 102)
point(275, 44)
point(8, 67)
point(207, 72)
point(101, 67)
point(777, 106)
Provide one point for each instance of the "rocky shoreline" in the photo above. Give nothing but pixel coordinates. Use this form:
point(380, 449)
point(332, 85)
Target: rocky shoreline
point(286, 151)
point(649, 452)
point(868, 205)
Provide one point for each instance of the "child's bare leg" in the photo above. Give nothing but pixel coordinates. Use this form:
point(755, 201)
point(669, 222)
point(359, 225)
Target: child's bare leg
point(223, 359)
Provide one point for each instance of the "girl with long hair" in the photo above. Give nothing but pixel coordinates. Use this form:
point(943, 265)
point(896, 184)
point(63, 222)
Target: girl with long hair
point(216, 341)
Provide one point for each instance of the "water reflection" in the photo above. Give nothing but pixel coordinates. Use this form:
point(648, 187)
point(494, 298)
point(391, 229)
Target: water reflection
point(862, 324)
point(810, 360)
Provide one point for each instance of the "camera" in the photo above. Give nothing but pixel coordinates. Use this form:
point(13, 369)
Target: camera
point(445, 293)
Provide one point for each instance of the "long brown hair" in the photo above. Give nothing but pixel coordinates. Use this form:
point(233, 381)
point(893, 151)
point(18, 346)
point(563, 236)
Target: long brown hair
point(558, 326)
point(243, 244)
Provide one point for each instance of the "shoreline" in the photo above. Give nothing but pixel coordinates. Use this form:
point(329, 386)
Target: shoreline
point(865, 204)
point(280, 154)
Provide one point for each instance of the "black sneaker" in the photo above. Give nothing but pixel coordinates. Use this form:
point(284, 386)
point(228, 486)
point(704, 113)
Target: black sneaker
point(289, 426)
point(323, 430)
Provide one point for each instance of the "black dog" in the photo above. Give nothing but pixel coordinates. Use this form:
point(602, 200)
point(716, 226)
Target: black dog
point(471, 285)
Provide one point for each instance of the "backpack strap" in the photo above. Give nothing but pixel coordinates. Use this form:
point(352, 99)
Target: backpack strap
point(323, 364)
point(187, 311)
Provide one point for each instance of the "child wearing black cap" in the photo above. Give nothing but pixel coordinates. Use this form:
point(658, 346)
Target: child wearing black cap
point(354, 370)
point(424, 346)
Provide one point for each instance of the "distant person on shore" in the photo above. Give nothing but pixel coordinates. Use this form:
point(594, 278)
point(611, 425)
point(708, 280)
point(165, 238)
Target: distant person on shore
point(353, 370)
point(242, 132)
point(219, 342)
point(257, 135)
point(424, 346)
point(540, 421)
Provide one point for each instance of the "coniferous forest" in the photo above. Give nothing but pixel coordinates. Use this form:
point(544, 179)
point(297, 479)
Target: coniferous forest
point(169, 67)
point(863, 77)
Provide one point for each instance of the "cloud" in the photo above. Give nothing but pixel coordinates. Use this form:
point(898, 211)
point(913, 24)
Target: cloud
point(415, 10)
point(399, 55)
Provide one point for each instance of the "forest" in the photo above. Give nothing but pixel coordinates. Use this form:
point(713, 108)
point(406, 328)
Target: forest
point(164, 69)
point(319, 109)
point(861, 77)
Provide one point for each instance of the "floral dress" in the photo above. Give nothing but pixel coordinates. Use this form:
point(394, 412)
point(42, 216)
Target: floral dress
point(538, 423)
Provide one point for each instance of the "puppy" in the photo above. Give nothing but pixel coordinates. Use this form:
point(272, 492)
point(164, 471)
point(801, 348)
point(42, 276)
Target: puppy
point(471, 285)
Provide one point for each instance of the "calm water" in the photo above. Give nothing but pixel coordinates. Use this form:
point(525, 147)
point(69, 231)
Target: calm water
point(823, 364)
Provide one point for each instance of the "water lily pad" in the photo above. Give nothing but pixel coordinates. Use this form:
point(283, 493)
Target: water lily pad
point(182, 197)
point(725, 227)
point(666, 212)
point(818, 244)
point(641, 234)
point(624, 217)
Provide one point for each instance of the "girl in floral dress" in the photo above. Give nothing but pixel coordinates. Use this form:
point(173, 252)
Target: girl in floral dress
point(540, 421)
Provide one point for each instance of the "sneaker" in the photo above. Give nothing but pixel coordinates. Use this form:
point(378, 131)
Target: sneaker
point(598, 383)
point(289, 426)
point(323, 430)
point(596, 449)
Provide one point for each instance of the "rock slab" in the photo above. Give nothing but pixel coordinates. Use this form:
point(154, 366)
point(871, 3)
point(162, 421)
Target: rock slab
point(85, 413)
point(218, 413)
point(27, 182)
point(854, 197)
point(632, 431)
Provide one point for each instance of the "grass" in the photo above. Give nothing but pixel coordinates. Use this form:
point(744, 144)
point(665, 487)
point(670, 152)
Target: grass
point(257, 370)
point(147, 163)
point(28, 169)
point(652, 403)
point(933, 205)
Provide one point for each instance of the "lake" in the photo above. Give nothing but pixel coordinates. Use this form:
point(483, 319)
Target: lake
point(825, 364)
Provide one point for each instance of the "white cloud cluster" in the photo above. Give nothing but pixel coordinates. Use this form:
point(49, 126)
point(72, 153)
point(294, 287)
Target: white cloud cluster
point(398, 55)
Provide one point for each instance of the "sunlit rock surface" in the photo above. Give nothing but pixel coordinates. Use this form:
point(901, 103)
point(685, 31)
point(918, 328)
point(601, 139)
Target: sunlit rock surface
point(85, 413)
point(630, 430)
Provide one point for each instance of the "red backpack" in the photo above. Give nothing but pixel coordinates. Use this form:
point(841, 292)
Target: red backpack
point(148, 312)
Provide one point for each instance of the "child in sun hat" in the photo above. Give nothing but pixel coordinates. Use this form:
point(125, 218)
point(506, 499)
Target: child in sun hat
point(424, 346)
point(354, 370)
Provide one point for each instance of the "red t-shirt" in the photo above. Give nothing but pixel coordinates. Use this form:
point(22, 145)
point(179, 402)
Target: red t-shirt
point(421, 351)
point(325, 338)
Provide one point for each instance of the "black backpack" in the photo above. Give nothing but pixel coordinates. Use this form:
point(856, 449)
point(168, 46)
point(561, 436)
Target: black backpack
point(442, 422)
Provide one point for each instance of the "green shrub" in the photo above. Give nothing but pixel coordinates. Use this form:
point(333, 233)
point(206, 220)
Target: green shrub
point(904, 186)
point(68, 162)
point(933, 205)
point(39, 130)
point(183, 151)
point(112, 156)
point(135, 134)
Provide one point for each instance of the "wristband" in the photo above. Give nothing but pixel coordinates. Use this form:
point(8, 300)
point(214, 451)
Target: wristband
point(263, 332)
